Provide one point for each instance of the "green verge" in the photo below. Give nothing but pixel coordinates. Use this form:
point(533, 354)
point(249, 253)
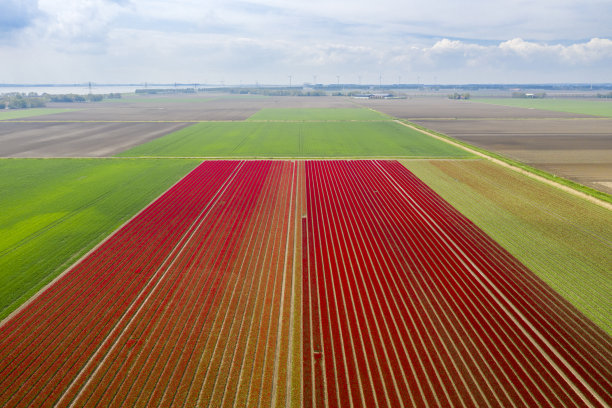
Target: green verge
point(52, 211)
point(595, 108)
point(26, 113)
point(564, 240)
point(303, 139)
point(569, 183)
point(316, 114)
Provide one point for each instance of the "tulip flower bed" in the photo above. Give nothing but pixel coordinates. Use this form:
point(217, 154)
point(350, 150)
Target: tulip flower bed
point(407, 303)
point(351, 278)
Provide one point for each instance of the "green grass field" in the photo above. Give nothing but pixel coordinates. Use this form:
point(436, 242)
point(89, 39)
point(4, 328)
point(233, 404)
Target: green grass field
point(52, 211)
point(588, 107)
point(308, 139)
point(318, 114)
point(26, 113)
point(563, 239)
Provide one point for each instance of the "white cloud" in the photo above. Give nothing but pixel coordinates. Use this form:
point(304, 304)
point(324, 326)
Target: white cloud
point(267, 40)
point(74, 25)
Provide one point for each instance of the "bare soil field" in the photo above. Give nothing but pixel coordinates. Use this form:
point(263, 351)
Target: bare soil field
point(577, 149)
point(187, 108)
point(69, 139)
point(440, 107)
point(107, 128)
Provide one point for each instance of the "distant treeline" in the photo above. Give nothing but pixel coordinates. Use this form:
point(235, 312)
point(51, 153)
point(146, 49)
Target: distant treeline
point(17, 100)
point(83, 98)
point(276, 91)
point(164, 91)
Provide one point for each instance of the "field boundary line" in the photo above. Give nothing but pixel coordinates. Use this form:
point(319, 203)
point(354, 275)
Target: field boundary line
point(284, 283)
point(567, 189)
point(507, 119)
point(78, 261)
point(263, 157)
point(296, 218)
point(243, 158)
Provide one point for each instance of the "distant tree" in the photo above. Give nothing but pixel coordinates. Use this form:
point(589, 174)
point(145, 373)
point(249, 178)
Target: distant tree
point(94, 97)
point(17, 102)
point(36, 102)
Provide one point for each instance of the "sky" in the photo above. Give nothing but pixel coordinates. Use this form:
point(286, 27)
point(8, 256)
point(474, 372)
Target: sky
point(234, 42)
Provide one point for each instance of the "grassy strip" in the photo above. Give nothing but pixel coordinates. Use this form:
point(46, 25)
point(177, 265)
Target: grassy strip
point(563, 181)
point(303, 139)
point(53, 211)
point(317, 114)
point(26, 113)
point(595, 108)
point(563, 239)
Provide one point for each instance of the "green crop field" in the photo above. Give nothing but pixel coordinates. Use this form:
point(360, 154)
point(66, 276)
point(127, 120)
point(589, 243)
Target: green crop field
point(52, 211)
point(26, 113)
point(565, 240)
point(307, 139)
point(318, 114)
point(588, 107)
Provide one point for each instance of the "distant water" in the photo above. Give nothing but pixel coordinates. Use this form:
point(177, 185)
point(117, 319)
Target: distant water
point(80, 89)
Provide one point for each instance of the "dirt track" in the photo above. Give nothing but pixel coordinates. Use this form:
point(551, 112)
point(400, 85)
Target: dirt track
point(574, 146)
point(578, 149)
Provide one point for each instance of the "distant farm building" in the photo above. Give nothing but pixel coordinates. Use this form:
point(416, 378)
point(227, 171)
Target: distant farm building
point(373, 96)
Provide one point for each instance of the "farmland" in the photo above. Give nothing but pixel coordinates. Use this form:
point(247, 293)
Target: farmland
point(441, 279)
point(586, 107)
point(411, 305)
point(318, 114)
point(76, 139)
point(54, 211)
point(537, 224)
point(578, 149)
point(151, 288)
point(26, 113)
point(308, 139)
point(196, 302)
point(575, 146)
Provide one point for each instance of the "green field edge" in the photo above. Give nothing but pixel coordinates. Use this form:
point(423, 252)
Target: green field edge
point(95, 241)
point(198, 121)
point(600, 195)
point(552, 105)
point(516, 230)
point(10, 115)
point(429, 158)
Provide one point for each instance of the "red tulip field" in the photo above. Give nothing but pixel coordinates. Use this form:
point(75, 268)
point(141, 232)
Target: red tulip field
point(322, 283)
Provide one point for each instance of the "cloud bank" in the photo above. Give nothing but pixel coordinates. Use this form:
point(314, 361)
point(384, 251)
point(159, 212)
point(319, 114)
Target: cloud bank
point(265, 41)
